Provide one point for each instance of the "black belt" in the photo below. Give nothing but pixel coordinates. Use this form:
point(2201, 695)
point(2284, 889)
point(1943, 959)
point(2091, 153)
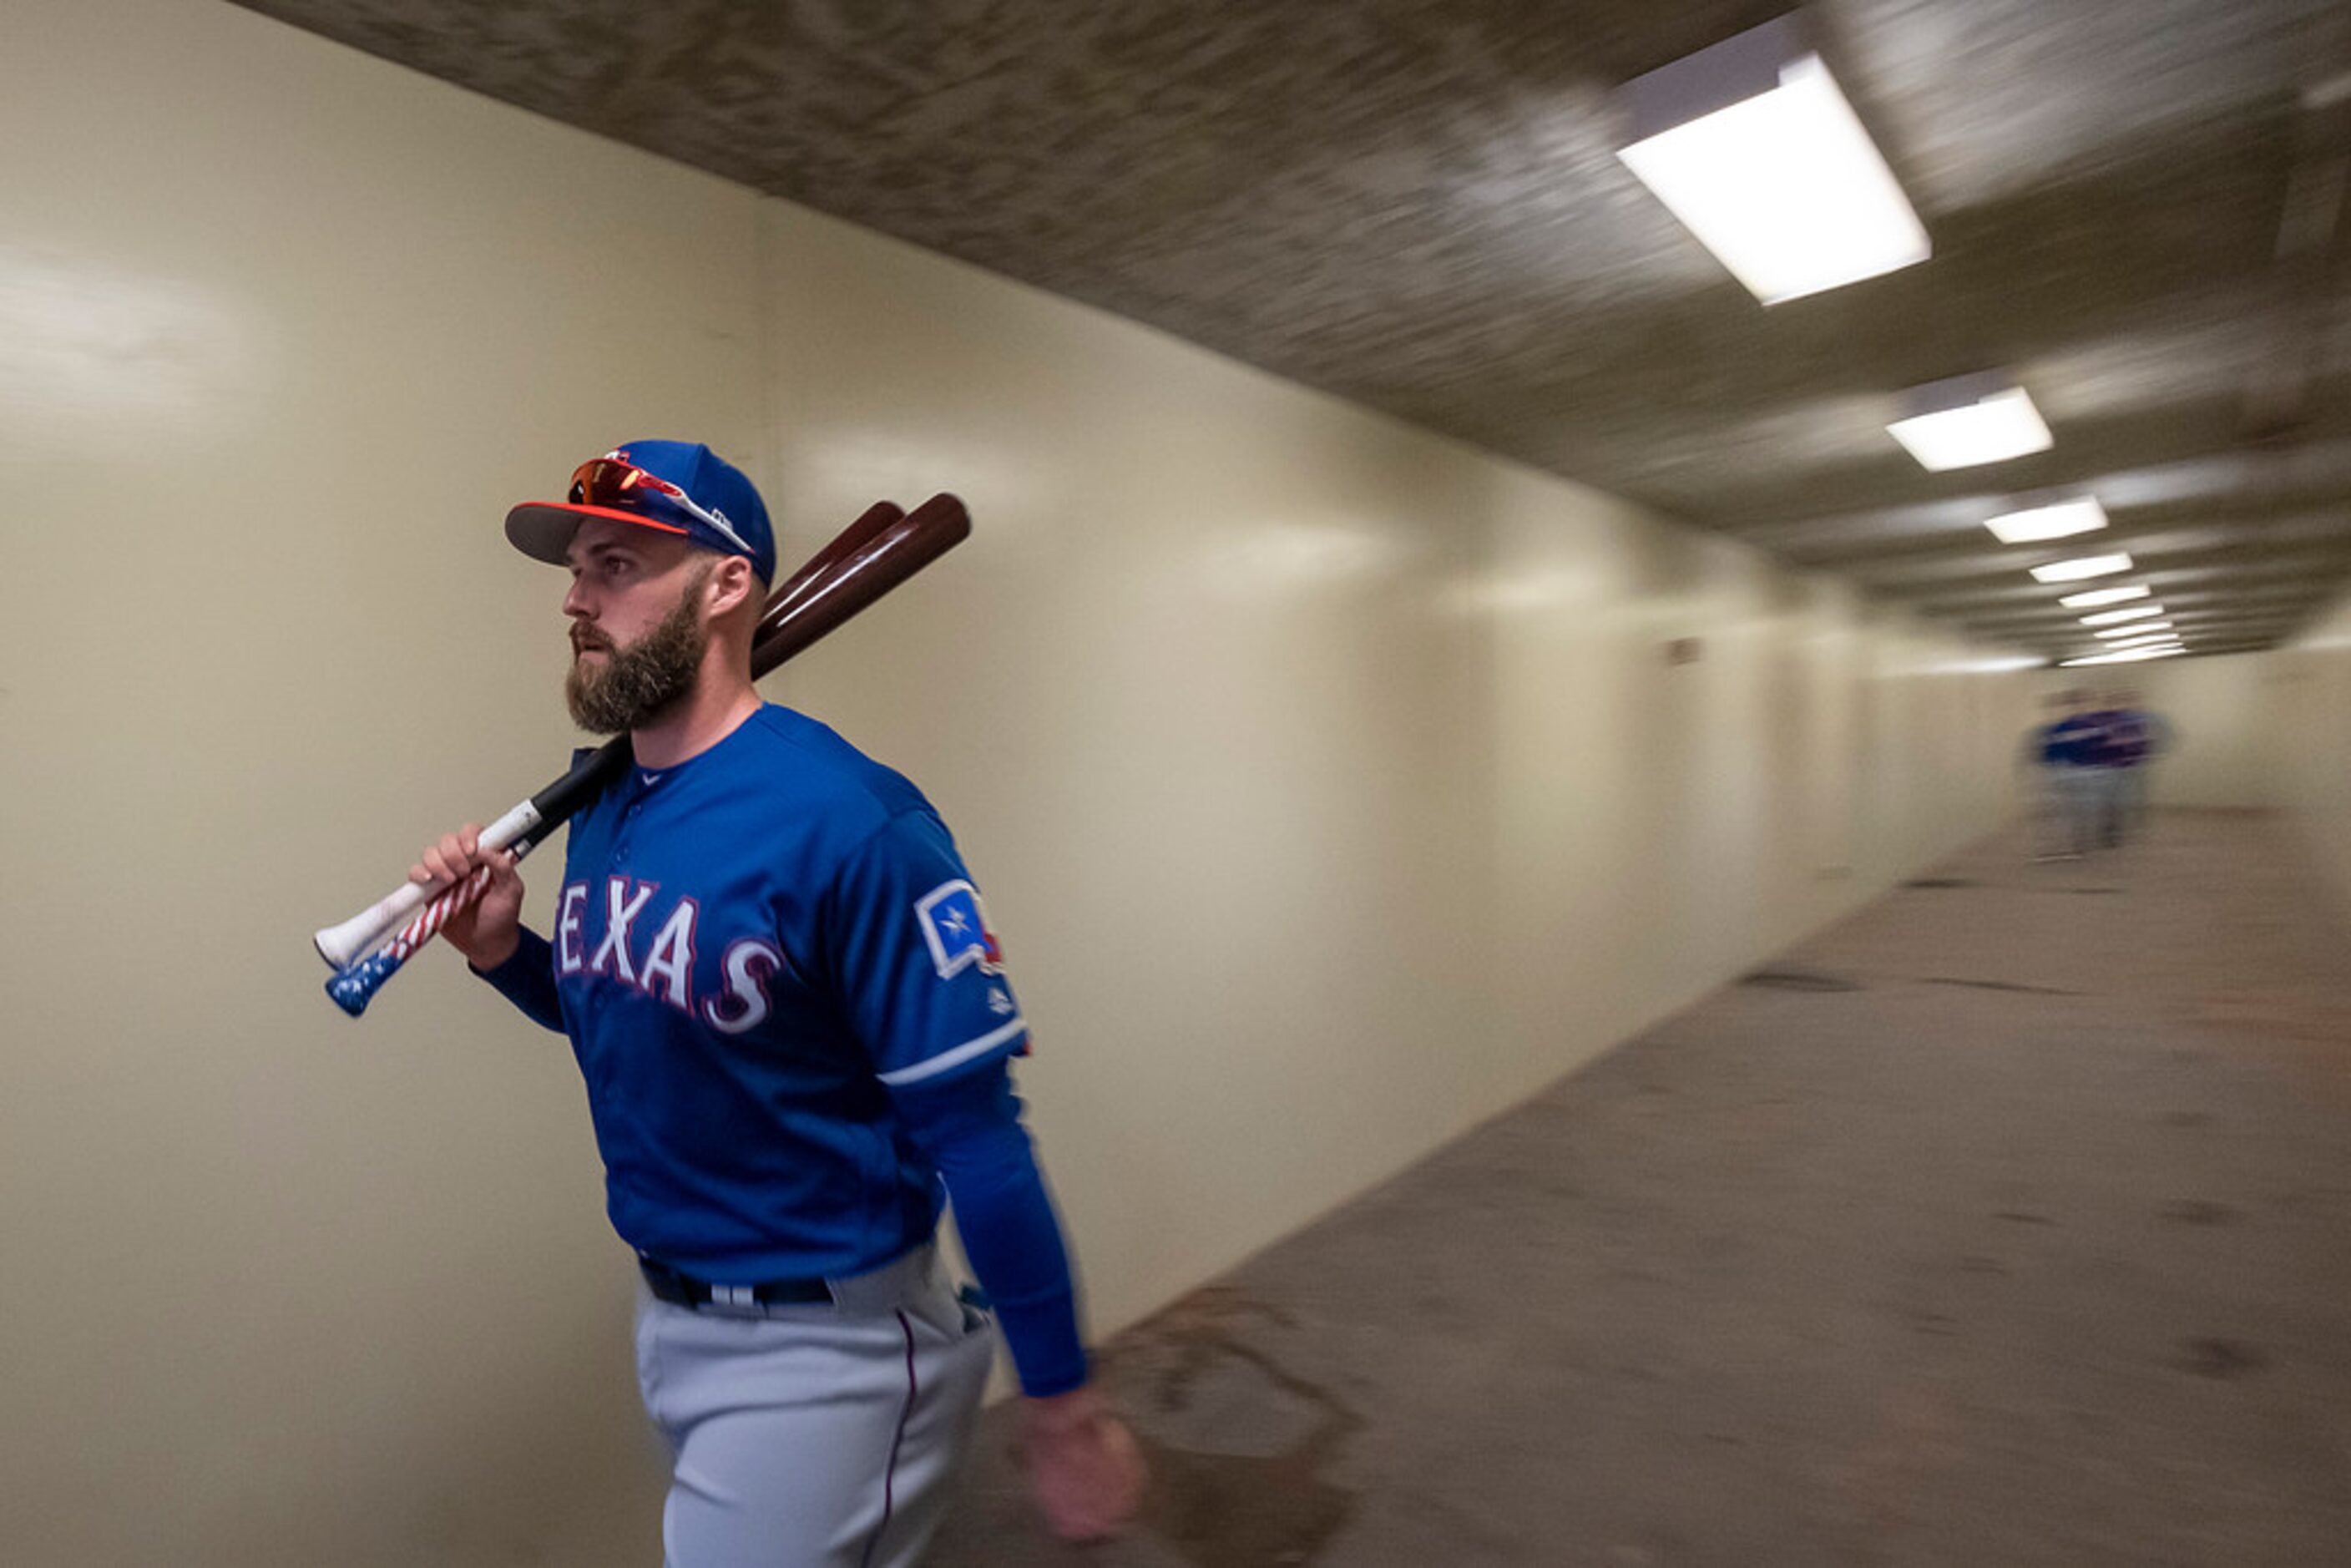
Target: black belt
point(684, 1289)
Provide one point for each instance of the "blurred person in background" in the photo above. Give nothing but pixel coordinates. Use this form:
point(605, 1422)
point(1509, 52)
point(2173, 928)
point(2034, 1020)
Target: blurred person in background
point(2129, 739)
point(2060, 755)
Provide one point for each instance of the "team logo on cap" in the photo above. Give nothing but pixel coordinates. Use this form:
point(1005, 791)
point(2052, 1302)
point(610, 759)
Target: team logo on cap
point(955, 927)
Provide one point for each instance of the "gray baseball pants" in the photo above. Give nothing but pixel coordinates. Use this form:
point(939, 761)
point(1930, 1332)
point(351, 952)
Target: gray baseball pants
point(814, 1436)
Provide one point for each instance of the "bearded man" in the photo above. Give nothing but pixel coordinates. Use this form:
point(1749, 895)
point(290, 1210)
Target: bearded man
point(795, 1026)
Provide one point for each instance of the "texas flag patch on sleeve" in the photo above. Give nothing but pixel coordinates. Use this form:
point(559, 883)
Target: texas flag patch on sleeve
point(954, 928)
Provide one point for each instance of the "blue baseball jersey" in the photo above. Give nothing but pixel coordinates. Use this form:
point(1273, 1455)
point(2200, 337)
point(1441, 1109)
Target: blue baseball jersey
point(2122, 740)
point(753, 949)
point(2072, 741)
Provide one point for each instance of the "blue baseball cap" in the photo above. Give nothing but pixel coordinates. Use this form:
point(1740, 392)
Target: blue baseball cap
point(674, 486)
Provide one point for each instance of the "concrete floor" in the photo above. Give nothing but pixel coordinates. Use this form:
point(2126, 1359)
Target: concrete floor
point(2008, 1223)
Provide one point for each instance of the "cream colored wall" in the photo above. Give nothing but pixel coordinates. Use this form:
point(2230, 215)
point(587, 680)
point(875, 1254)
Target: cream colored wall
point(2222, 733)
point(2312, 702)
point(282, 329)
point(1667, 826)
point(1328, 780)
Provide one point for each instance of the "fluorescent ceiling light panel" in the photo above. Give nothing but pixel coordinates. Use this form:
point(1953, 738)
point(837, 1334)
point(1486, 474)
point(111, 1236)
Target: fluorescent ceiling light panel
point(2167, 651)
point(2113, 632)
point(1750, 143)
point(2060, 521)
point(2116, 617)
point(2080, 567)
point(1969, 420)
point(2098, 596)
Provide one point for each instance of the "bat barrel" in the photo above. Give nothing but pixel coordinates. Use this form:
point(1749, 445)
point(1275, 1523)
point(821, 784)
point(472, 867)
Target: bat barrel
point(884, 559)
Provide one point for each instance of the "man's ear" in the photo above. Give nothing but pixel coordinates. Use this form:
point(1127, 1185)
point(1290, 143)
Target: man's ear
point(731, 585)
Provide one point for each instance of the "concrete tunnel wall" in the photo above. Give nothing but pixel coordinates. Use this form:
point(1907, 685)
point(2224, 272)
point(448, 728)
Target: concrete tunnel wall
point(1334, 784)
point(2311, 717)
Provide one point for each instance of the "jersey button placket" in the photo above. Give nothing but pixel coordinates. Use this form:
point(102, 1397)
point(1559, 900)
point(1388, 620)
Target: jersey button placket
point(621, 838)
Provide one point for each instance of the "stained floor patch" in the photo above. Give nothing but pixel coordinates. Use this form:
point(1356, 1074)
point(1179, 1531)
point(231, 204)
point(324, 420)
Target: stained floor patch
point(2011, 985)
point(1238, 1444)
point(1781, 979)
point(2210, 1356)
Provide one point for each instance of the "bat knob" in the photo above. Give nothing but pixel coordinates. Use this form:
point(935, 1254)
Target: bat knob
point(351, 989)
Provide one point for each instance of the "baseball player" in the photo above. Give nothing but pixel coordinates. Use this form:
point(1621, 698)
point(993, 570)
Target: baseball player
point(794, 1023)
point(2131, 738)
point(2059, 753)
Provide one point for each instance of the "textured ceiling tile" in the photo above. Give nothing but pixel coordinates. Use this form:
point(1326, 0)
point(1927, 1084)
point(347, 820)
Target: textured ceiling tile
point(1417, 204)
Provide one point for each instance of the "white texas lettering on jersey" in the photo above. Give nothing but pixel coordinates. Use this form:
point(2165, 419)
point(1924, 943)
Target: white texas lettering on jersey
point(620, 910)
point(566, 927)
point(668, 971)
point(747, 966)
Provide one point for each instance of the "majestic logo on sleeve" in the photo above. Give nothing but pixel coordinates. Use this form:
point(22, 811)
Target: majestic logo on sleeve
point(954, 928)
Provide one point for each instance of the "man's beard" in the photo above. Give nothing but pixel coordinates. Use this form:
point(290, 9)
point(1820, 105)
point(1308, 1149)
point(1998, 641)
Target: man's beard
point(639, 683)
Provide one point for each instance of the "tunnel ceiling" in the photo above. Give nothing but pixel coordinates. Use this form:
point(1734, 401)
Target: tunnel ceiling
point(1414, 205)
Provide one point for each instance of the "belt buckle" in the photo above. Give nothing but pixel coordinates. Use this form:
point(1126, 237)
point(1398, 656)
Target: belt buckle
point(742, 1299)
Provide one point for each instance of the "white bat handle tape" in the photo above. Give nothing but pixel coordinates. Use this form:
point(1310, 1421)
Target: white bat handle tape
point(344, 945)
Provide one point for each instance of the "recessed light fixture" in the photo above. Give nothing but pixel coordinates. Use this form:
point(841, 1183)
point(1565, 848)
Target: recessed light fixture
point(1969, 420)
point(2127, 655)
point(2035, 524)
point(1750, 143)
point(2080, 567)
point(2149, 628)
point(2116, 617)
point(2098, 596)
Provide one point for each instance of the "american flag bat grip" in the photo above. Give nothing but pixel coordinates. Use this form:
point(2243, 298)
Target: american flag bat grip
point(355, 984)
point(520, 829)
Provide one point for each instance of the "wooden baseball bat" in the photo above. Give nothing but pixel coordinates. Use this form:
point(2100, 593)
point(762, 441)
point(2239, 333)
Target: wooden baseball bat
point(866, 561)
point(343, 943)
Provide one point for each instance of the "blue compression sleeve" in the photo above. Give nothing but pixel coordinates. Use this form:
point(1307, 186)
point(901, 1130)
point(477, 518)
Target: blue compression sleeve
point(527, 980)
point(969, 1125)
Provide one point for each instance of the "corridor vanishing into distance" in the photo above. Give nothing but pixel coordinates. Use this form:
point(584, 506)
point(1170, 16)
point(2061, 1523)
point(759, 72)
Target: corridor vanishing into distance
point(2008, 1222)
